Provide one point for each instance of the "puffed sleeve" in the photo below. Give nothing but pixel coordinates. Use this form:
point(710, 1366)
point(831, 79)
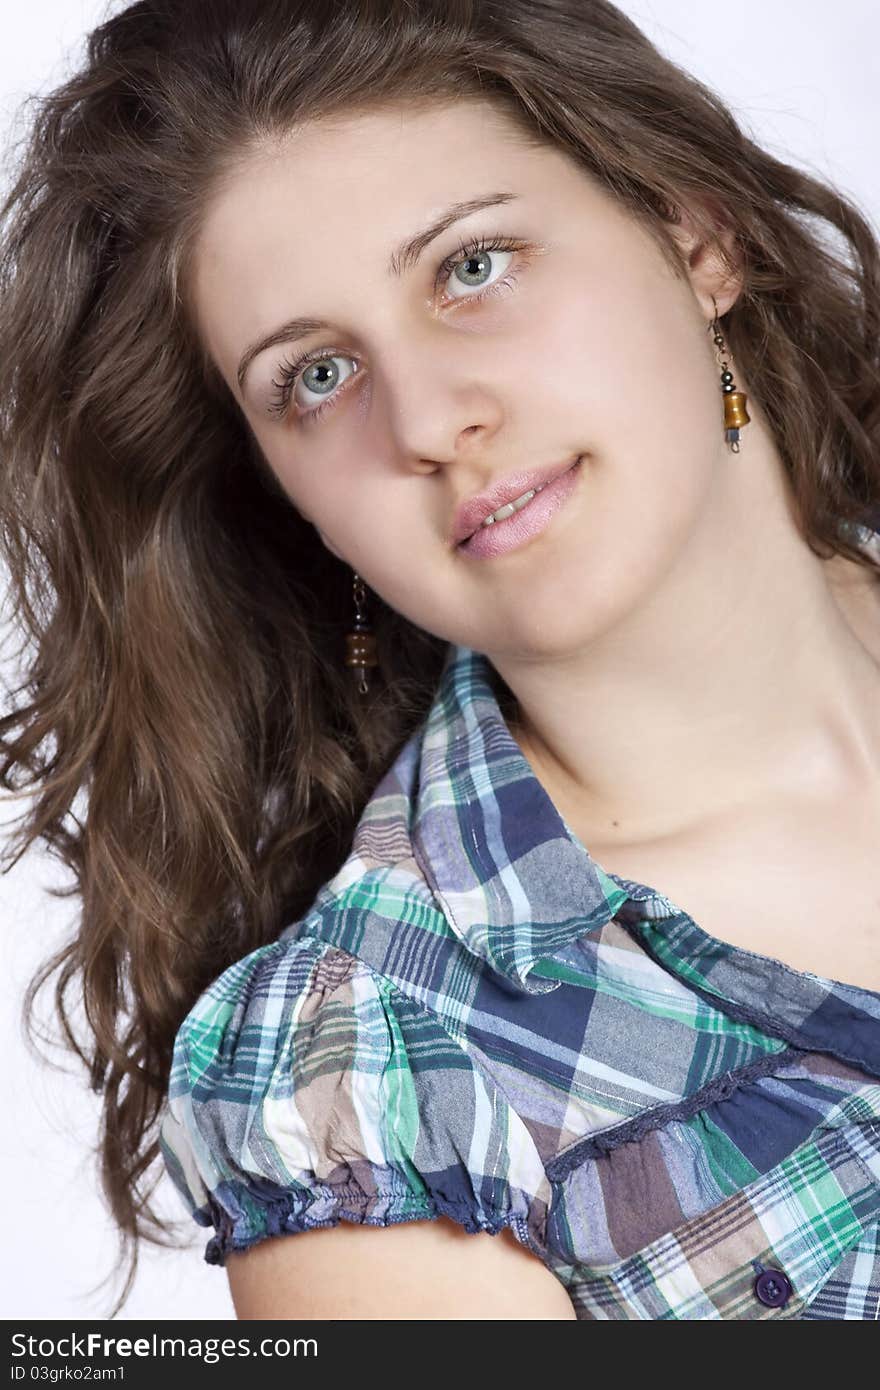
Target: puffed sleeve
point(306, 1089)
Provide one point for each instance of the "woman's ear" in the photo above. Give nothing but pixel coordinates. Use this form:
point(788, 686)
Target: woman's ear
point(329, 545)
point(710, 277)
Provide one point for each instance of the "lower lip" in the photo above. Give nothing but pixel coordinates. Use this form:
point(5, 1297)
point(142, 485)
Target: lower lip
point(518, 528)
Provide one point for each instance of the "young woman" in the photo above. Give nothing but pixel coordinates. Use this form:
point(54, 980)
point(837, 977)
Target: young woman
point(442, 464)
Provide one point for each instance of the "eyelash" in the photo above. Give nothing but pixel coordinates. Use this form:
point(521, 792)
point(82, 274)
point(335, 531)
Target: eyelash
point(290, 371)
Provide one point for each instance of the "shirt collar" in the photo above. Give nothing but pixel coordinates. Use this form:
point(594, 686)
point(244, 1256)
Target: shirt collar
point(514, 881)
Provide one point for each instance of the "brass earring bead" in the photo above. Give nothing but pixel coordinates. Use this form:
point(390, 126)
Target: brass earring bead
point(735, 413)
point(360, 642)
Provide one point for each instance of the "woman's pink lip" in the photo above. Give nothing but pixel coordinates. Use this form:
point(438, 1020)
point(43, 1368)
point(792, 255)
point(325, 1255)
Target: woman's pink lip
point(529, 521)
point(470, 516)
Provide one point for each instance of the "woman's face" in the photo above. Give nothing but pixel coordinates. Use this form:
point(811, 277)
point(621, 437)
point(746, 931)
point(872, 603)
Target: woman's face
point(433, 378)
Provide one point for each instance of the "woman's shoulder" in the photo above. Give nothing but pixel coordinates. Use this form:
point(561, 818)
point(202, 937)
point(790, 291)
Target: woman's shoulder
point(307, 1088)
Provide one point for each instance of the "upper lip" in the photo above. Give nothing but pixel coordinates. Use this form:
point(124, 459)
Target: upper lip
point(472, 513)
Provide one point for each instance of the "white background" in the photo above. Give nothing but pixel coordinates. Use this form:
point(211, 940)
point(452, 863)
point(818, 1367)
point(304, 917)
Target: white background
point(804, 81)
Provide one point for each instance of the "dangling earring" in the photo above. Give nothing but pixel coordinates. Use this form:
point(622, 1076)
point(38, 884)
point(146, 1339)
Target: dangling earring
point(735, 413)
point(360, 643)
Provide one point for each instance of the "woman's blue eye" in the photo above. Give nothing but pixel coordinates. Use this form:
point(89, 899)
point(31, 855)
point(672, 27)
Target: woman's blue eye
point(322, 376)
point(467, 268)
point(476, 267)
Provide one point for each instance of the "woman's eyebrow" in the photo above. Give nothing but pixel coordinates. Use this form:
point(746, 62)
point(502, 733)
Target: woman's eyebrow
point(401, 260)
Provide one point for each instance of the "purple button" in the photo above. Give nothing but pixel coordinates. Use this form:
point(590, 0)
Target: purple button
point(773, 1288)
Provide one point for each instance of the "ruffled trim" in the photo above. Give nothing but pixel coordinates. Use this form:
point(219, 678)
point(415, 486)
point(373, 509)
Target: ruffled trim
point(719, 1088)
point(243, 1215)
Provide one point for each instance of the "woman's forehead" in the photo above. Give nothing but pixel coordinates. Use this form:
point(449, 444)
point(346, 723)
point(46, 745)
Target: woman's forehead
point(364, 170)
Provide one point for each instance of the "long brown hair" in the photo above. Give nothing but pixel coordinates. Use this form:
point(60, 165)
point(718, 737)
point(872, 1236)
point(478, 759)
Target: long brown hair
point(187, 624)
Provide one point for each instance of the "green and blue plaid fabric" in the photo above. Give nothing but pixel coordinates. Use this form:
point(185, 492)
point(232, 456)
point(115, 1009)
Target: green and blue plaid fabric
point(474, 1020)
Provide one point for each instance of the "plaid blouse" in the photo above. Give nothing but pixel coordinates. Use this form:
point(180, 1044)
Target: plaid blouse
point(474, 1020)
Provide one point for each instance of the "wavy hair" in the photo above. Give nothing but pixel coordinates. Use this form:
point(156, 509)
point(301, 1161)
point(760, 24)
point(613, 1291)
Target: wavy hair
point(186, 625)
